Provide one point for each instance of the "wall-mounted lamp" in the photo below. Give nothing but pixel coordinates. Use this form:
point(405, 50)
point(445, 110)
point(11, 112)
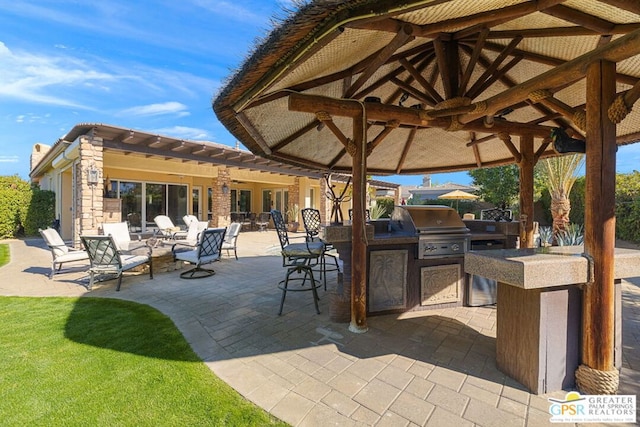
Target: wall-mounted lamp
point(93, 175)
point(225, 188)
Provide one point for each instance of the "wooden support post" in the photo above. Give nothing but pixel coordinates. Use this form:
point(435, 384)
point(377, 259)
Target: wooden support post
point(526, 165)
point(359, 245)
point(597, 374)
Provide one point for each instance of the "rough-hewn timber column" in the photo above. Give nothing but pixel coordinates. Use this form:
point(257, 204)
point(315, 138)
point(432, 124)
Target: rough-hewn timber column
point(597, 374)
point(359, 244)
point(526, 165)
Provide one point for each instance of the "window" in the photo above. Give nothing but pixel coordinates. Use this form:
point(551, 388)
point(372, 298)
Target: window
point(267, 203)
point(241, 200)
point(143, 200)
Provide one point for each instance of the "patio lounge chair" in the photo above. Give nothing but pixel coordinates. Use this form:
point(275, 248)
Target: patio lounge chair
point(60, 252)
point(167, 229)
point(297, 258)
point(311, 222)
point(231, 238)
point(207, 251)
point(106, 259)
point(188, 219)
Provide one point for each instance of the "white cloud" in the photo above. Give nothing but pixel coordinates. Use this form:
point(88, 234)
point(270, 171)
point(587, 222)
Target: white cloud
point(9, 159)
point(34, 78)
point(232, 10)
point(171, 107)
point(185, 132)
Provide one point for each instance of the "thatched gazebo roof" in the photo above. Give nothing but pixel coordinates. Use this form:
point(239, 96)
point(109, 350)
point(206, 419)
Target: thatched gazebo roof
point(421, 86)
point(454, 78)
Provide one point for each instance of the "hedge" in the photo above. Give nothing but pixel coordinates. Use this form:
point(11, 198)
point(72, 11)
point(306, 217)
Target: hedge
point(24, 208)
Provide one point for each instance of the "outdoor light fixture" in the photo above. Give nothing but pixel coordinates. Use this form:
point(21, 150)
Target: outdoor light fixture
point(563, 143)
point(93, 175)
point(225, 188)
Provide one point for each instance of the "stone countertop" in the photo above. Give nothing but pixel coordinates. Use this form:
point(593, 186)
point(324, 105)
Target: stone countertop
point(487, 236)
point(544, 267)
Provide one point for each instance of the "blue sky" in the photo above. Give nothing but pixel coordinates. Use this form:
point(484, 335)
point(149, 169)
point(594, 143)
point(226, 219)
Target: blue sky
point(148, 65)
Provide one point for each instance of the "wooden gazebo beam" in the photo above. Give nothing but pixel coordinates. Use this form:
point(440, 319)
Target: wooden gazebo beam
point(405, 116)
point(571, 71)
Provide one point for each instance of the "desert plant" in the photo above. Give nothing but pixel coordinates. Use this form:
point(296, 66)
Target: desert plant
point(377, 211)
point(293, 212)
point(572, 235)
point(561, 174)
point(546, 236)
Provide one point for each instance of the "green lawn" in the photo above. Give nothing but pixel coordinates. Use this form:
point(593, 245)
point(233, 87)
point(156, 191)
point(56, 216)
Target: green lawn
point(4, 254)
point(107, 362)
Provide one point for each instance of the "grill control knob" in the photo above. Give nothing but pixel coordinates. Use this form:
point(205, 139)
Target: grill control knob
point(455, 247)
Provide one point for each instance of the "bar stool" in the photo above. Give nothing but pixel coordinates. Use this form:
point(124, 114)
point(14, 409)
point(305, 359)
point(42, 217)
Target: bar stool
point(311, 222)
point(297, 258)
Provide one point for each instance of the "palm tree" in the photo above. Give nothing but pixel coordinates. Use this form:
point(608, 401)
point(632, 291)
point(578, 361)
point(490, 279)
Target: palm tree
point(561, 175)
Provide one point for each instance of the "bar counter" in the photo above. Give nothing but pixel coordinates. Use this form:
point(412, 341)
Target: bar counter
point(539, 307)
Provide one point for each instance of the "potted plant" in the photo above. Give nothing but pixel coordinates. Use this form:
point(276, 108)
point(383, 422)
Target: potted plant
point(292, 217)
point(377, 213)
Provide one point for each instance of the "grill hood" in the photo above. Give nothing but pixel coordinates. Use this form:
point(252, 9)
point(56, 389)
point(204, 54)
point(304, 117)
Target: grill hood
point(427, 219)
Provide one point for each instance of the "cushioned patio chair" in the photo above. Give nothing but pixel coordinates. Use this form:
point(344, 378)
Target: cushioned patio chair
point(311, 222)
point(231, 238)
point(298, 258)
point(167, 229)
point(192, 238)
point(107, 260)
point(207, 251)
point(60, 252)
point(121, 236)
point(188, 219)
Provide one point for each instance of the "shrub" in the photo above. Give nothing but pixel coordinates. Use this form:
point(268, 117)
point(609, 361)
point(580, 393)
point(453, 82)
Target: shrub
point(628, 206)
point(385, 206)
point(23, 208)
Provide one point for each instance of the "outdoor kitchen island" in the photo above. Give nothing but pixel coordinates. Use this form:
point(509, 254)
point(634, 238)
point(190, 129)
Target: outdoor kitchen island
point(414, 259)
point(540, 310)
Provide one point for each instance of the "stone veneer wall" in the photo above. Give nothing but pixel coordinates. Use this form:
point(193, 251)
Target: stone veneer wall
point(325, 204)
point(294, 196)
point(88, 198)
point(37, 153)
point(221, 203)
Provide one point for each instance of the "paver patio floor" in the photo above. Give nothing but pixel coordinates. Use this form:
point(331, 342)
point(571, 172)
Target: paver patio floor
point(434, 368)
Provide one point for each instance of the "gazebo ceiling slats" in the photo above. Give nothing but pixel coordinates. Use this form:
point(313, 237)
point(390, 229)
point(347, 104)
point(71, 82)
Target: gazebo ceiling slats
point(455, 75)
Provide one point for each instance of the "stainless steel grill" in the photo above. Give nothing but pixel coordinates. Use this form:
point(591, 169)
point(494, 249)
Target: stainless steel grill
point(440, 230)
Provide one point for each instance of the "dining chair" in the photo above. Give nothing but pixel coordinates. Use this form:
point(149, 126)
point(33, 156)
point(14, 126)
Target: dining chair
point(263, 221)
point(298, 258)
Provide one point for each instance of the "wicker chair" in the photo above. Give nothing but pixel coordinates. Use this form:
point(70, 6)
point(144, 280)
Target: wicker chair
point(298, 258)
